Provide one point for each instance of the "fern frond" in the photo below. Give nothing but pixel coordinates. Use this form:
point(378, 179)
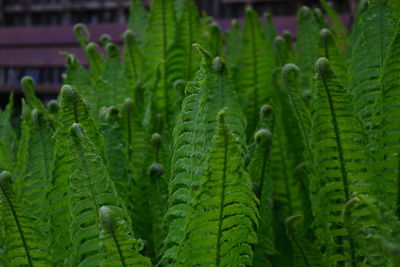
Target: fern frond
point(366, 63)
point(260, 172)
point(73, 109)
point(24, 244)
point(159, 36)
point(117, 241)
point(269, 27)
point(79, 78)
point(222, 94)
point(116, 162)
point(90, 188)
point(133, 61)
point(329, 49)
point(137, 18)
point(305, 253)
point(340, 162)
point(386, 170)
point(35, 178)
point(8, 138)
point(253, 79)
point(223, 220)
point(82, 34)
point(338, 26)
point(96, 64)
point(283, 51)
point(28, 86)
point(189, 146)
point(307, 46)
point(234, 43)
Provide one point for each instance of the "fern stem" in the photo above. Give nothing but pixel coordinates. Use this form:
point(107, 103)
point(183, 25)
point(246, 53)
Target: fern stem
point(121, 256)
point(221, 206)
point(21, 233)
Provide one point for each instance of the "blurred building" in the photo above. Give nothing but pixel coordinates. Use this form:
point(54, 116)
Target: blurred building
point(34, 32)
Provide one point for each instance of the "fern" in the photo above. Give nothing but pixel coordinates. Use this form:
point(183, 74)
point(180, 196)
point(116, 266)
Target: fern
point(90, 188)
point(330, 50)
point(72, 110)
point(256, 63)
point(305, 253)
point(259, 171)
point(368, 57)
point(340, 163)
point(269, 27)
point(24, 243)
point(223, 218)
point(8, 139)
point(307, 45)
point(133, 60)
point(115, 88)
point(159, 36)
point(137, 17)
point(36, 170)
point(189, 145)
point(385, 183)
point(117, 242)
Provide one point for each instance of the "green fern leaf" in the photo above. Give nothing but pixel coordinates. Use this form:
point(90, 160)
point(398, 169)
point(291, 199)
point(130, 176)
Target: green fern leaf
point(329, 49)
point(133, 61)
point(116, 162)
point(117, 242)
point(386, 169)
point(307, 46)
point(222, 94)
point(222, 222)
point(159, 36)
point(305, 253)
point(259, 171)
point(137, 18)
point(269, 27)
point(114, 88)
point(90, 188)
point(256, 63)
point(96, 64)
point(79, 78)
point(283, 51)
point(28, 86)
point(8, 139)
point(338, 26)
point(368, 56)
point(36, 175)
point(340, 161)
point(234, 43)
point(82, 34)
point(72, 109)
point(189, 146)
point(24, 244)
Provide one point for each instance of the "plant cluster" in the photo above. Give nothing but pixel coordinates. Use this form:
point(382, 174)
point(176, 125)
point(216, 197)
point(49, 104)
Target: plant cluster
point(204, 148)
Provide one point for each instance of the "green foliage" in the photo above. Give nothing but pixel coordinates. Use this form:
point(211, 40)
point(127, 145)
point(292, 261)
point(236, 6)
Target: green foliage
point(224, 207)
point(256, 63)
point(231, 155)
point(24, 244)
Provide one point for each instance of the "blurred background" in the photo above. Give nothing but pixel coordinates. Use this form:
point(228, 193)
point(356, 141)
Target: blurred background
point(35, 33)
